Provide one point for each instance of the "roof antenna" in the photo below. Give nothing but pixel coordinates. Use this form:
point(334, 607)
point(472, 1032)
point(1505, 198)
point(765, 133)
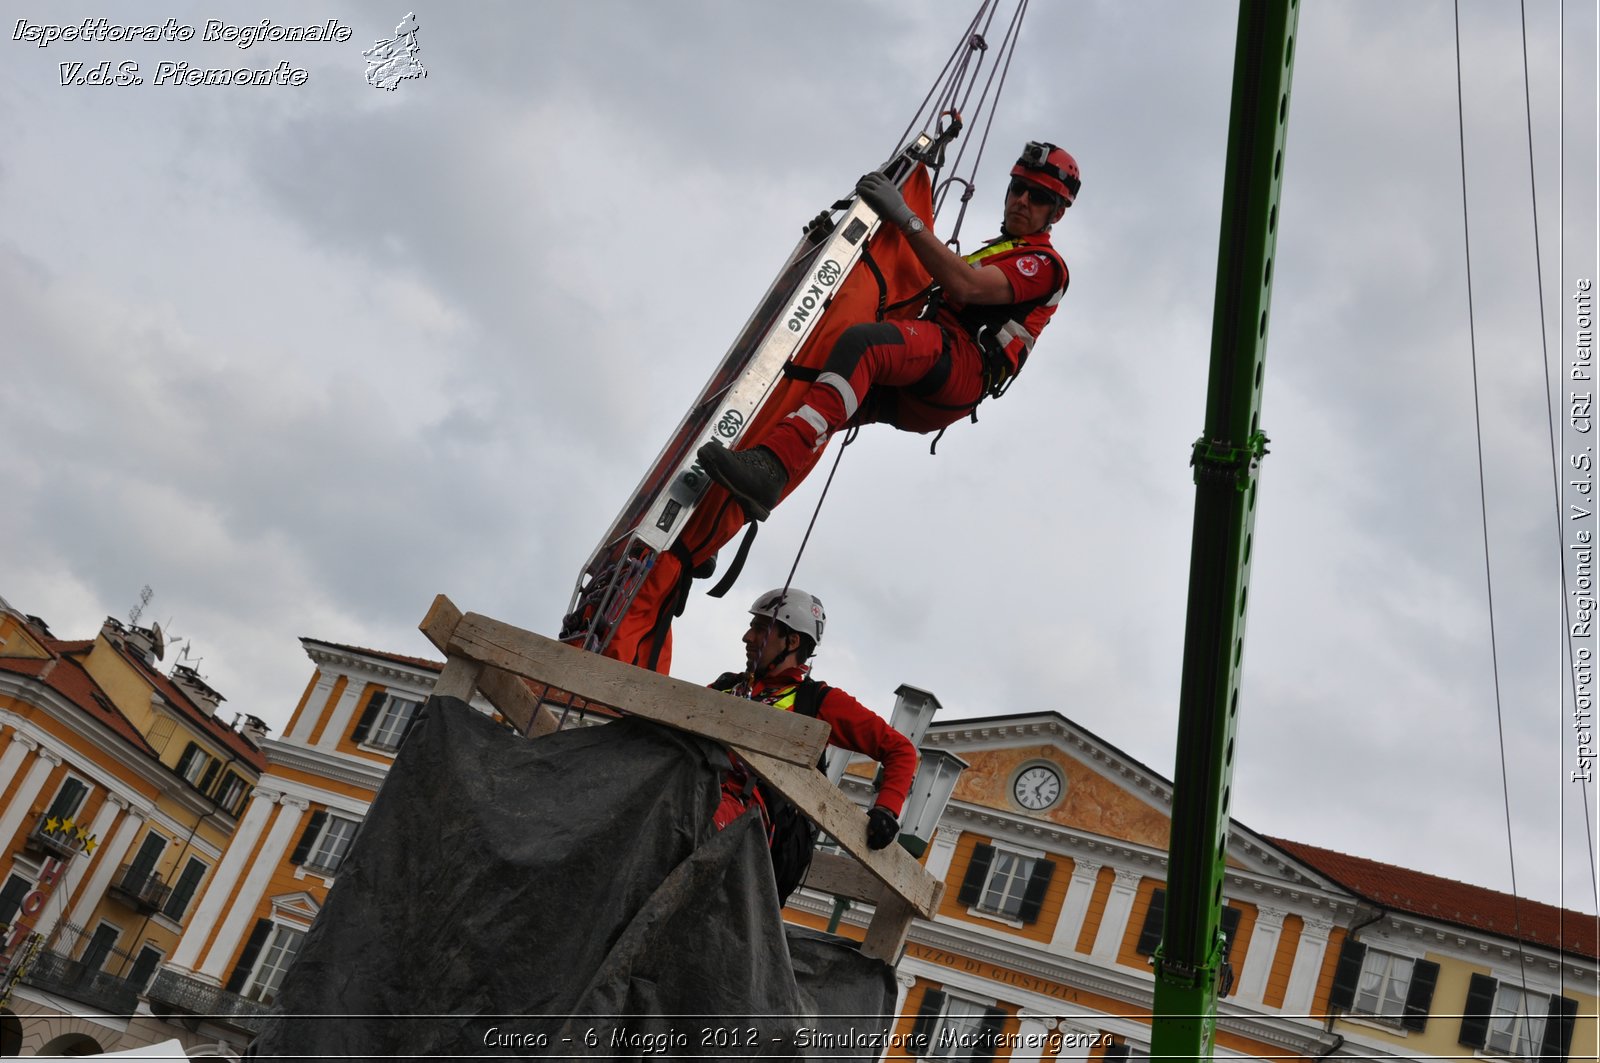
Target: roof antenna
point(145, 594)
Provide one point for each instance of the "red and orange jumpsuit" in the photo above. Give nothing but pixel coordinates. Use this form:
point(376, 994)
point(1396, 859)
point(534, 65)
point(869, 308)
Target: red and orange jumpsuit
point(855, 727)
point(921, 376)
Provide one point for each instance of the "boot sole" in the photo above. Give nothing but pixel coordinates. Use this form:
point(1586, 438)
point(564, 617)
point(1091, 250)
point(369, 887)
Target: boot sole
point(711, 456)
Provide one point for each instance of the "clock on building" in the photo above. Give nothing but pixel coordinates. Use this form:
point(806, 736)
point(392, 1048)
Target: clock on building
point(1037, 787)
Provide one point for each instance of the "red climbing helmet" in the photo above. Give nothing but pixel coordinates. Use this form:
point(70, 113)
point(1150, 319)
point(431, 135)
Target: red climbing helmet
point(1048, 166)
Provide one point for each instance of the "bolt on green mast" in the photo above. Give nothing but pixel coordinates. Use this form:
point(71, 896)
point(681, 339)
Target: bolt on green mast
point(1226, 458)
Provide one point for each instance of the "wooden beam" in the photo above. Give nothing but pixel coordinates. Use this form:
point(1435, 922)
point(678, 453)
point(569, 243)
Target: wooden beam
point(830, 809)
point(842, 876)
point(507, 693)
point(786, 736)
point(459, 679)
point(886, 934)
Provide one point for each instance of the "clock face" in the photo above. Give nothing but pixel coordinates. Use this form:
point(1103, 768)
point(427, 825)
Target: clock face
point(1038, 787)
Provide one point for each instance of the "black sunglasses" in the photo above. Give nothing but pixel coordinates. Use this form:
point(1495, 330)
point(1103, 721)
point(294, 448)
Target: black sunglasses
point(1039, 197)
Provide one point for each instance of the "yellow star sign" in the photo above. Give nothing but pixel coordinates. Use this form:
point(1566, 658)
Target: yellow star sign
point(90, 843)
point(52, 825)
point(67, 825)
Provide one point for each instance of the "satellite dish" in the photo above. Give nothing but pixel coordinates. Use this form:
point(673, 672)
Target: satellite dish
point(158, 641)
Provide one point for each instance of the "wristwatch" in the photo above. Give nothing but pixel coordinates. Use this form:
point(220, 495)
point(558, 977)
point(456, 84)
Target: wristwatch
point(913, 226)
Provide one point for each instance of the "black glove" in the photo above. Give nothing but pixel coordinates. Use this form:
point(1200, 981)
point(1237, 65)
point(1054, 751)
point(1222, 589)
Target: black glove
point(879, 193)
point(882, 827)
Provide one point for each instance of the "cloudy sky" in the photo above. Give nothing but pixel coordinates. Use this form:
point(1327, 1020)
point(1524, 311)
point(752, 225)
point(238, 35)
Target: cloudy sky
point(301, 357)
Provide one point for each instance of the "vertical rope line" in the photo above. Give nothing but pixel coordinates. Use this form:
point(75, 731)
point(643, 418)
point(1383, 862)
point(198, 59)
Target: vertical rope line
point(1483, 514)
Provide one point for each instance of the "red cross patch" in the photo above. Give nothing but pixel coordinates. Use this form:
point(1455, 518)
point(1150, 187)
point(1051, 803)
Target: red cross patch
point(1028, 265)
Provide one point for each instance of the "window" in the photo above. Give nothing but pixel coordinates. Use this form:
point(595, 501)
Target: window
point(231, 793)
point(1007, 883)
point(267, 955)
point(183, 889)
point(326, 840)
point(1390, 988)
point(1508, 1021)
point(197, 767)
point(949, 1027)
point(1150, 931)
point(11, 895)
point(395, 722)
point(69, 799)
point(100, 946)
point(143, 967)
point(1516, 1026)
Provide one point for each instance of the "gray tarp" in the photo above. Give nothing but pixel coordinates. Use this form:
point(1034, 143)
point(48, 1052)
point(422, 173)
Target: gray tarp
point(566, 896)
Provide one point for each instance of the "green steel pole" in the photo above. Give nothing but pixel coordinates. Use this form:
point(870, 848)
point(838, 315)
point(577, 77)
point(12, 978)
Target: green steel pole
point(1225, 460)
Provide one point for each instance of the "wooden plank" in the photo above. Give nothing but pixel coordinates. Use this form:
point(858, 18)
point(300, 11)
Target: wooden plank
point(507, 693)
point(786, 736)
point(842, 876)
point(886, 934)
point(459, 679)
point(841, 817)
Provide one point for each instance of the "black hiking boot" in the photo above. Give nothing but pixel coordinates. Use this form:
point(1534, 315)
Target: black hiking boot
point(755, 477)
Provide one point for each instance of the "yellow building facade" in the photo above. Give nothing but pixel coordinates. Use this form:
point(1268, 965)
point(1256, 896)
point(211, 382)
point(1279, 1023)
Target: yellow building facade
point(1053, 855)
point(320, 778)
point(119, 792)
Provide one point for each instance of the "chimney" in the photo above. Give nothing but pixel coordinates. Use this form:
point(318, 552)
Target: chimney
point(255, 729)
point(188, 680)
point(146, 642)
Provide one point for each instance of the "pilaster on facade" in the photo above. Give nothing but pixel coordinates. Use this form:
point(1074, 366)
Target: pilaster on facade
point(107, 856)
point(27, 792)
point(942, 851)
point(1308, 957)
point(247, 898)
point(315, 703)
point(1263, 948)
point(1033, 1036)
point(225, 878)
point(341, 716)
point(18, 746)
point(1114, 923)
point(1075, 906)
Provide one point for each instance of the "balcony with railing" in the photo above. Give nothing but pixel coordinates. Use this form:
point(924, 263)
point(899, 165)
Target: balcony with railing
point(143, 891)
point(53, 972)
point(57, 837)
point(188, 1000)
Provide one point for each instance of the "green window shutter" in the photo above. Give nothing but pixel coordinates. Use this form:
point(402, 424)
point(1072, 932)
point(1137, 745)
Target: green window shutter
point(977, 871)
point(1230, 930)
point(308, 838)
point(1150, 933)
point(1475, 1013)
point(183, 891)
point(144, 861)
point(144, 967)
point(189, 753)
point(369, 715)
point(1346, 974)
point(927, 1017)
point(1558, 1030)
point(1419, 998)
point(247, 959)
point(989, 1034)
point(1033, 896)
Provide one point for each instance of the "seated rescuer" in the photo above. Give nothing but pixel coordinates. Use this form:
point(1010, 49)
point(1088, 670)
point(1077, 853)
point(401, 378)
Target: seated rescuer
point(785, 628)
point(986, 311)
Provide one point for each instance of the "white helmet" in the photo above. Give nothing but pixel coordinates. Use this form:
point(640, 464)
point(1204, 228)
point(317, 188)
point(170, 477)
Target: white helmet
point(794, 609)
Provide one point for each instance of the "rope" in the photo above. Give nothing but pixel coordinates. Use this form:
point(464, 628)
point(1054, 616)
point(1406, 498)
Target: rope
point(1483, 511)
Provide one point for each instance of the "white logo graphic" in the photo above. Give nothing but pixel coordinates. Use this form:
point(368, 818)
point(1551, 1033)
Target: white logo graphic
point(1028, 265)
point(393, 61)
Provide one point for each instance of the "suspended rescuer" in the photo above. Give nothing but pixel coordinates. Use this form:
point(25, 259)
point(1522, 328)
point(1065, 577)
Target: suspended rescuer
point(985, 313)
point(785, 628)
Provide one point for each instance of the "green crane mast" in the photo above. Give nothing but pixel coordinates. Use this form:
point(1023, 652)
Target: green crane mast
point(1188, 962)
